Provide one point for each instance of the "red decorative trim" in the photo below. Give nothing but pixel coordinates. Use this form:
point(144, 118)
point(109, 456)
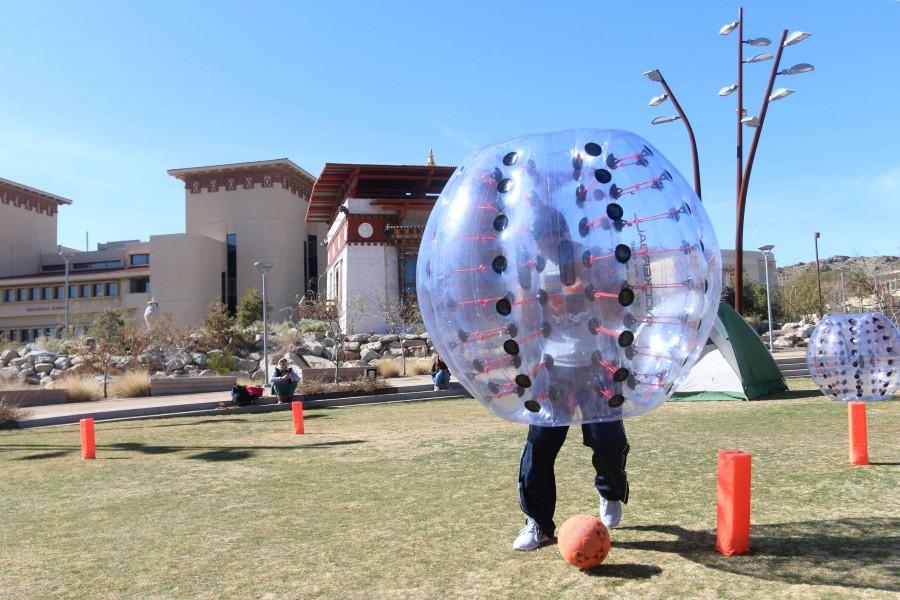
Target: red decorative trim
point(378, 223)
point(249, 178)
point(336, 243)
point(27, 200)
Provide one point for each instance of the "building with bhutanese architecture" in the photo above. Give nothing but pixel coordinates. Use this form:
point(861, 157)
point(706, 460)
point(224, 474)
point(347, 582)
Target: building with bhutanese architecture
point(235, 214)
point(353, 234)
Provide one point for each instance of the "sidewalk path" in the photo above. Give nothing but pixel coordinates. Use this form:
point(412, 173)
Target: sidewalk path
point(416, 387)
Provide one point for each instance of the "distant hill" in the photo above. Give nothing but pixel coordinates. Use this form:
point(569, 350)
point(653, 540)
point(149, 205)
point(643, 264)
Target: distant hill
point(873, 265)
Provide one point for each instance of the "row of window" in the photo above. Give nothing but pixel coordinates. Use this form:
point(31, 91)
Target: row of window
point(135, 260)
point(105, 289)
point(30, 335)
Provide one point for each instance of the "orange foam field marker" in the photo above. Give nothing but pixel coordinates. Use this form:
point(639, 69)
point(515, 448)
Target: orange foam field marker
point(859, 443)
point(733, 495)
point(88, 446)
point(297, 409)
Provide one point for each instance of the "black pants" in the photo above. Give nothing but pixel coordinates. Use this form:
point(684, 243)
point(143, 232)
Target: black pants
point(537, 482)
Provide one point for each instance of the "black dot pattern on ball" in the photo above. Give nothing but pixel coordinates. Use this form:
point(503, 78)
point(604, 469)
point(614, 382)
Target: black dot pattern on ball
point(510, 158)
point(500, 222)
point(592, 149)
point(499, 264)
point(602, 175)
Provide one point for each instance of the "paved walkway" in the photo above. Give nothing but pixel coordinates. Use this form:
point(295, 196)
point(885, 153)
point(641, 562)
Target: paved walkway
point(403, 387)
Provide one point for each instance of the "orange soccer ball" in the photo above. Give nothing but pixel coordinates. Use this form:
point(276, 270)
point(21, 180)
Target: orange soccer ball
point(584, 541)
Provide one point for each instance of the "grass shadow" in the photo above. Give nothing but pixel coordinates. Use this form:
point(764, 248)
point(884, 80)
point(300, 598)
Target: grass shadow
point(624, 571)
point(858, 553)
point(54, 454)
point(223, 455)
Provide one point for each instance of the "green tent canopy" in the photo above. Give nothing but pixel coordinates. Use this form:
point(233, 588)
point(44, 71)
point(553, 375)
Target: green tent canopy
point(734, 364)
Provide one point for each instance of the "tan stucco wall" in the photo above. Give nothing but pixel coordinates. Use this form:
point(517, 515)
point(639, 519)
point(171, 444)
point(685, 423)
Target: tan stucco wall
point(186, 275)
point(24, 236)
point(270, 226)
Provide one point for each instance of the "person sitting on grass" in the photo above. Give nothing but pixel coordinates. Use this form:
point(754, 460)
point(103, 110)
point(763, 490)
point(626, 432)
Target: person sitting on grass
point(440, 373)
point(284, 381)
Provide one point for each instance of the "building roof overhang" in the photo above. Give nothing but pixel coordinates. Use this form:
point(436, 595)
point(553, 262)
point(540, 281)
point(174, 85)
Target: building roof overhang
point(30, 190)
point(419, 184)
point(282, 164)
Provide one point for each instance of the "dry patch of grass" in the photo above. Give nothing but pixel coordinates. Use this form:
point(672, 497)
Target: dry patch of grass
point(419, 500)
point(132, 384)
point(10, 411)
point(80, 388)
point(393, 367)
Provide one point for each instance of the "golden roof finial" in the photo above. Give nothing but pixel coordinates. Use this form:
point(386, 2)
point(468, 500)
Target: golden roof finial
point(430, 161)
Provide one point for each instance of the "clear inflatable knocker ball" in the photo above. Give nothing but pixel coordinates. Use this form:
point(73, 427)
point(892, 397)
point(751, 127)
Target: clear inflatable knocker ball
point(855, 357)
point(568, 278)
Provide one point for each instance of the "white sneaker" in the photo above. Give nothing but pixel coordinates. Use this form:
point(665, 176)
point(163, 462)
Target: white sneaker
point(437, 389)
point(530, 537)
point(610, 512)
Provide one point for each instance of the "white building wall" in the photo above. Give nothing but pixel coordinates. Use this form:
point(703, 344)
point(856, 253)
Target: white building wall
point(368, 286)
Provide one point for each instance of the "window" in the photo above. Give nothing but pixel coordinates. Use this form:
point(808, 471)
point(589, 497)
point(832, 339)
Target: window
point(84, 291)
point(59, 292)
point(112, 288)
point(61, 267)
point(139, 285)
point(99, 289)
point(47, 293)
point(100, 264)
point(311, 268)
point(73, 291)
point(8, 295)
point(408, 273)
point(20, 295)
point(34, 294)
point(231, 273)
point(140, 260)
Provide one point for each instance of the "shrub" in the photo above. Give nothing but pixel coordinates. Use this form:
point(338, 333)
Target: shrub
point(218, 327)
point(221, 364)
point(132, 384)
point(419, 366)
point(254, 381)
point(311, 326)
point(389, 367)
point(108, 325)
point(50, 344)
point(250, 308)
point(81, 388)
point(9, 412)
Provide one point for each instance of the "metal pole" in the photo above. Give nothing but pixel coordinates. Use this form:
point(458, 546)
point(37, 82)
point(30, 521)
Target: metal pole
point(66, 331)
point(819, 275)
point(769, 301)
point(690, 132)
point(745, 182)
point(265, 330)
point(739, 242)
point(843, 297)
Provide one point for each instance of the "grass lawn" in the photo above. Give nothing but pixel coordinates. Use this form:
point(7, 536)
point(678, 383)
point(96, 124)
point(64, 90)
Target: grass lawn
point(419, 501)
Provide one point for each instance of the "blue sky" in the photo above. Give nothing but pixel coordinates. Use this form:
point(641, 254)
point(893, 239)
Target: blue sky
point(99, 99)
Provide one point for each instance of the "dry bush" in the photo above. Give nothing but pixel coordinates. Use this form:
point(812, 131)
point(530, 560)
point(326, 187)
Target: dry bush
point(419, 366)
point(131, 384)
point(10, 412)
point(389, 367)
point(80, 388)
point(250, 381)
point(363, 385)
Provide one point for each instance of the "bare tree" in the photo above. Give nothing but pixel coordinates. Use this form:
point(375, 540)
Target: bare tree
point(317, 308)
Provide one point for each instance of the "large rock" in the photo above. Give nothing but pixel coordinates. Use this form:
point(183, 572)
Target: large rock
point(56, 374)
point(311, 347)
point(387, 339)
point(7, 356)
point(348, 355)
point(358, 338)
point(418, 351)
point(9, 373)
point(412, 342)
point(61, 363)
point(253, 356)
point(369, 355)
point(247, 364)
point(803, 331)
point(44, 367)
point(317, 362)
point(175, 364)
point(783, 343)
point(374, 346)
point(46, 380)
point(351, 364)
point(351, 346)
point(198, 358)
point(18, 362)
point(327, 342)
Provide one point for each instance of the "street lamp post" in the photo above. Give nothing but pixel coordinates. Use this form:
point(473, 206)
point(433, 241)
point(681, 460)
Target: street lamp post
point(743, 172)
point(655, 75)
point(66, 256)
point(263, 268)
point(819, 275)
point(766, 250)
